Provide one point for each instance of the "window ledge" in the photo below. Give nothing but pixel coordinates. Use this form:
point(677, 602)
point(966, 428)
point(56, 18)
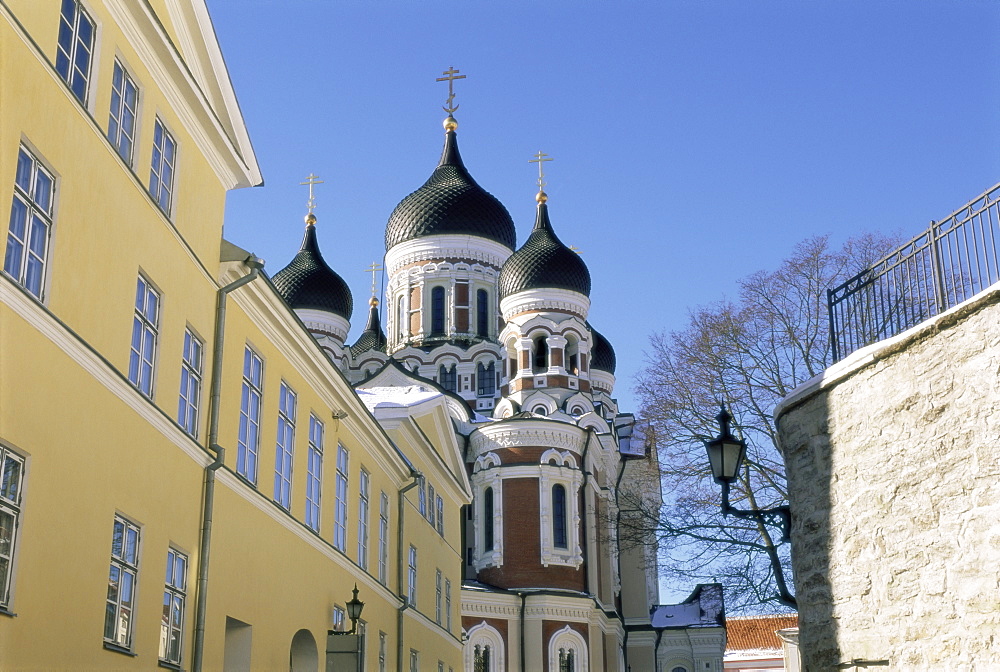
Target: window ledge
point(170, 666)
point(8, 614)
point(120, 649)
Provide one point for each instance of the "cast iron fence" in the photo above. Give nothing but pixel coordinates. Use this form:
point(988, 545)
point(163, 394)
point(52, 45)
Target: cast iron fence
point(945, 265)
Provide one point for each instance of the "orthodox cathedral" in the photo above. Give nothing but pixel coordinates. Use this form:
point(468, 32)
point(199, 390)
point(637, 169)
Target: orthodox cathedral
point(501, 331)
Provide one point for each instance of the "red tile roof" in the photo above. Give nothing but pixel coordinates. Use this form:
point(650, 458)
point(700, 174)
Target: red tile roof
point(757, 632)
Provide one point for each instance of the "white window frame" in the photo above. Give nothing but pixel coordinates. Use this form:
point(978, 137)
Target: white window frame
point(364, 484)
point(382, 651)
point(33, 203)
point(414, 660)
point(438, 595)
point(163, 167)
point(145, 334)
point(447, 604)
point(411, 575)
point(422, 500)
point(174, 599)
point(67, 63)
point(189, 399)
point(340, 507)
point(484, 635)
point(123, 115)
point(430, 504)
point(11, 486)
point(124, 563)
point(383, 538)
point(339, 618)
point(486, 474)
point(564, 472)
point(439, 507)
point(284, 446)
point(248, 440)
point(314, 473)
point(568, 639)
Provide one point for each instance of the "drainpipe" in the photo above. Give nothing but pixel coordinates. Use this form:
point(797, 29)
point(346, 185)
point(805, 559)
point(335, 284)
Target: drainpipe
point(524, 598)
point(583, 491)
point(418, 479)
point(656, 650)
point(208, 503)
point(618, 554)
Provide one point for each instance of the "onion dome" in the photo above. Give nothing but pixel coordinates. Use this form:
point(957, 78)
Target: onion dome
point(308, 283)
point(544, 262)
point(372, 338)
point(450, 202)
point(602, 355)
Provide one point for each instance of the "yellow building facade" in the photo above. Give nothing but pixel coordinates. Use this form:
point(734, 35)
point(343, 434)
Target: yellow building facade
point(187, 479)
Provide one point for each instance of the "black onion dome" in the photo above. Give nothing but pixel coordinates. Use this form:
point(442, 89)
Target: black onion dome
point(372, 338)
point(544, 262)
point(307, 282)
point(602, 355)
point(450, 202)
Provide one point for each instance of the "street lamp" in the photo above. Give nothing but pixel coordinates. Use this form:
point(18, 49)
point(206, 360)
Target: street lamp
point(354, 607)
point(725, 455)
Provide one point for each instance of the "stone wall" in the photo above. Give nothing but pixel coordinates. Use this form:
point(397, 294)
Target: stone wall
point(893, 459)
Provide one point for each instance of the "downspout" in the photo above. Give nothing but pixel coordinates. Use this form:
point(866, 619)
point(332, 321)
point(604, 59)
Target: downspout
point(524, 599)
point(583, 491)
point(618, 554)
point(656, 650)
point(208, 502)
point(418, 479)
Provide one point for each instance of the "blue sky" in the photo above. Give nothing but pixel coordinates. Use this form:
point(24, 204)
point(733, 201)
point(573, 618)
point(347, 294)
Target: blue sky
point(693, 142)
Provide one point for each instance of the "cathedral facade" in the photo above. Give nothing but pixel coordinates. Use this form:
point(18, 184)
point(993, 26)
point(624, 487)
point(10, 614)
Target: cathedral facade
point(502, 331)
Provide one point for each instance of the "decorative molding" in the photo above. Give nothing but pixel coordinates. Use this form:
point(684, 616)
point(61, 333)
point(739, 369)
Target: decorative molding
point(544, 300)
point(439, 247)
point(543, 433)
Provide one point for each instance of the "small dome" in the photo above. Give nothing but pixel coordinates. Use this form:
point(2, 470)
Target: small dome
point(372, 338)
point(602, 355)
point(307, 282)
point(544, 262)
point(450, 202)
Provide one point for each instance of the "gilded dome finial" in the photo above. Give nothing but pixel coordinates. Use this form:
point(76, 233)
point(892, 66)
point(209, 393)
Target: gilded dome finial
point(540, 159)
point(450, 75)
point(311, 180)
point(373, 269)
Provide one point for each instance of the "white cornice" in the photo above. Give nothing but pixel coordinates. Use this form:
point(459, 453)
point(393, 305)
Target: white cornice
point(540, 433)
point(544, 300)
point(469, 248)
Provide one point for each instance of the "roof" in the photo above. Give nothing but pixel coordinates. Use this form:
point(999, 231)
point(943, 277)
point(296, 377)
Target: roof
point(602, 355)
point(372, 338)
point(307, 282)
point(450, 202)
point(544, 262)
point(757, 633)
point(704, 608)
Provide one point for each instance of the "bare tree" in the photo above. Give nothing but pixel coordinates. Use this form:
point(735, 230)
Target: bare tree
point(746, 354)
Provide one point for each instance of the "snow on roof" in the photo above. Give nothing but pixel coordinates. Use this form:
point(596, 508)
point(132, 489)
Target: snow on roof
point(757, 633)
point(395, 397)
point(703, 609)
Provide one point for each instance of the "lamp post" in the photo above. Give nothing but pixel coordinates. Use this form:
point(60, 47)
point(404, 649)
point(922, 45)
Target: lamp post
point(354, 607)
point(725, 455)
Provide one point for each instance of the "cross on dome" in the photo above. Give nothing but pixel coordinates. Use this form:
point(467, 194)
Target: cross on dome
point(450, 75)
point(311, 180)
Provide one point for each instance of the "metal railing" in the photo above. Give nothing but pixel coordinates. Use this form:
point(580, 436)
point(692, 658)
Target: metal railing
point(945, 265)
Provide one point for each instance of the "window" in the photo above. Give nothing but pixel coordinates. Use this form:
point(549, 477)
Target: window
point(482, 314)
point(340, 514)
point(75, 47)
point(414, 661)
point(118, 615)
point(161, 171)
point(437, 597)
point(567, 660)
point(12, 473)
point(541, 354)
point(430, 504)
point(191, 363)
point(559, 516)
point(339, 618)
point(437, 311)
point(121, 119)
point(284, 446)
point(481, 658)
point(30, 224)
point(488, 519)
point(447, 603)
point(172, 623)
point(249, 437)
point(401, 317)
point(422, 500)
point(145, 324)
point(383, 537)
point(449, 377)
point(486, 379)
point(363, 519)
point(440, 515)
point(382, 651)
point(412, 576)
point(314, 472)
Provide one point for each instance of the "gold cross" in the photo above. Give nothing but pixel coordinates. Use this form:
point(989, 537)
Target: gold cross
point(540, 159)
point(373, 269)
point(451, 74)
point(311, 180)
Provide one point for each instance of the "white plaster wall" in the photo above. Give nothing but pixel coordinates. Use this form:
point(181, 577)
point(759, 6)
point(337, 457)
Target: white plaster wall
point(893, 460)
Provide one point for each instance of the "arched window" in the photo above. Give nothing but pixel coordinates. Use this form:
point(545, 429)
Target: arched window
point(486, 378)
point(488, 519)
point(448, 378)
point(481, 658)
point(567, 660)
point(482, 314)
point(541, 361)
point(401, 317)
point(559, 516)
point(437, 311)
point(573, 357)
point(679, 668)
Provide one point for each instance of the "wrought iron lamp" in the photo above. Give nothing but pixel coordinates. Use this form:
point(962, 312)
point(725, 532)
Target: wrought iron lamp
point(725, 455)
point(354, 607)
